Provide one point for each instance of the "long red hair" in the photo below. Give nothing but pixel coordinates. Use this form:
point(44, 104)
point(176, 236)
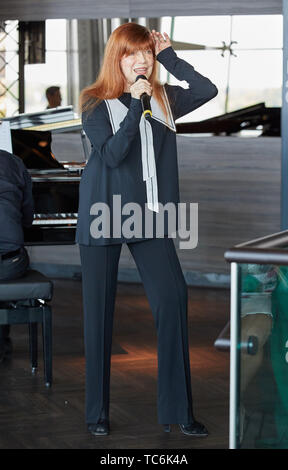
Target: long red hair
point(110, 82)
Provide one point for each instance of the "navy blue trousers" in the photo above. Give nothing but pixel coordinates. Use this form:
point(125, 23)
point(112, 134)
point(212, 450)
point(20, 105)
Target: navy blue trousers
point(167, 293)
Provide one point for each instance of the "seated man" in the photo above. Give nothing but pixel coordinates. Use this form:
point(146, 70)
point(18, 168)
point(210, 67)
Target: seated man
point(16, 212)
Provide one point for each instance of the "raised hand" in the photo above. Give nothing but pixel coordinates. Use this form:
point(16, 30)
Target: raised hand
point(161, 42)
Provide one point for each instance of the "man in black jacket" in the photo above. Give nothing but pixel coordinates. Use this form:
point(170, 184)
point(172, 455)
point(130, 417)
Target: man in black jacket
point(16, 212)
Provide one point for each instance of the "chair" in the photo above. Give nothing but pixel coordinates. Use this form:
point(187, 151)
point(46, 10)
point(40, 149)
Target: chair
point(24, 301)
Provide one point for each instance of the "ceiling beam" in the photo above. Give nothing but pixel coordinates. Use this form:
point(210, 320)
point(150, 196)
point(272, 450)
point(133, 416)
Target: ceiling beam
point(35, 10)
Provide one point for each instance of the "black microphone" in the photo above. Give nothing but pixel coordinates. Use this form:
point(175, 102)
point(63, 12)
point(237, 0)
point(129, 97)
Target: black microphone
point(145, 101)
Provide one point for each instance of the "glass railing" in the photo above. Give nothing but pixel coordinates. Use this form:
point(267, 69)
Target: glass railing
point(259, 343)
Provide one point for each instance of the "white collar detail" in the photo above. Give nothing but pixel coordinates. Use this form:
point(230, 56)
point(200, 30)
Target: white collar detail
point(117, 112)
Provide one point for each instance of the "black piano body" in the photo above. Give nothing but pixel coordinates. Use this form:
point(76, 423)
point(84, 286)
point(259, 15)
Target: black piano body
point(56, 208)
point(55, 183)
point(248, 118)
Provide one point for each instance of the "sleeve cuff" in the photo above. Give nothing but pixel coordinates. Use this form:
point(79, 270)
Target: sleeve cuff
point(135, 105)
point(135, 101)
point(166, 55)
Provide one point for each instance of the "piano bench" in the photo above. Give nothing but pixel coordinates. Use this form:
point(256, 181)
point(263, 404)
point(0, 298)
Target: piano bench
point(24, 301)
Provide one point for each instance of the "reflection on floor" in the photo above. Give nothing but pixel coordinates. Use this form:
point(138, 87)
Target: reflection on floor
point(34, 417)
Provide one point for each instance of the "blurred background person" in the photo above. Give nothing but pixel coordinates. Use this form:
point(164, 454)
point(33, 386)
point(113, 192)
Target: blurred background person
point(53, 95)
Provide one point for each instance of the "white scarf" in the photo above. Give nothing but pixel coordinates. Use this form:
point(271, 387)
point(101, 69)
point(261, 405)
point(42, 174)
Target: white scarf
point(117, 112)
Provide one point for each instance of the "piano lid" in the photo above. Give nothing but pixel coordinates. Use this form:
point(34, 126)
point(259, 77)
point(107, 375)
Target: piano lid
point(58, 127)
point(48, 116)
point(248, 118)
point(34, 148)
point(31, 136)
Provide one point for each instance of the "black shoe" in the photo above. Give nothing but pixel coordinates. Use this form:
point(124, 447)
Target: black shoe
point(194, 429)
point(166, 427)
point(99, 429)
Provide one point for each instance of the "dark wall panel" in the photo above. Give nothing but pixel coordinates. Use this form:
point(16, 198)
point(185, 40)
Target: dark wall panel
point(32, 10)
point(150, 8)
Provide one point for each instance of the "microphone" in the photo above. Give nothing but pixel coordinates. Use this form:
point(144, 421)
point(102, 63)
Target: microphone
point(145, 101)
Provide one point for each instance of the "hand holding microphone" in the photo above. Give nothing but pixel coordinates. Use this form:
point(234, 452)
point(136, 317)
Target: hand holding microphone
point(142, 90)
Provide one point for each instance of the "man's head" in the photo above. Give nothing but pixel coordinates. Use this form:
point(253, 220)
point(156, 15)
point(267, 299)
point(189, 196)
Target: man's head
point(53, 96)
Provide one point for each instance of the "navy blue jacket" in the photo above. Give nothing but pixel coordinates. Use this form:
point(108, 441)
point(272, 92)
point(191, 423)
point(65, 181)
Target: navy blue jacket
point(16, 201)
point(115, 164)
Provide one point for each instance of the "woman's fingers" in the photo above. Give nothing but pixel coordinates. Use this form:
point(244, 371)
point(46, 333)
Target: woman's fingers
point(144, 85)
point(161, 42)
point(139, 87)
point(158, 36)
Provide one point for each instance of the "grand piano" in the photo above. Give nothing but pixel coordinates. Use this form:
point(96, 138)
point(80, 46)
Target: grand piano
point(257, 116)
point(56, 184)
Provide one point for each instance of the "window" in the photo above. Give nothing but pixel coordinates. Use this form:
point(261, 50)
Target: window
point(250, 75)
point(38, 77)
point(8, 68)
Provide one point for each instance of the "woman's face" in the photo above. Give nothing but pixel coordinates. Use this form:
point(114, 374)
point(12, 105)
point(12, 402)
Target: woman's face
point(137, 63)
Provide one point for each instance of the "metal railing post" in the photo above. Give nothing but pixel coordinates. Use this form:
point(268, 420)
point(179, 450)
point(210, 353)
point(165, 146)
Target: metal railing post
point(233, 357)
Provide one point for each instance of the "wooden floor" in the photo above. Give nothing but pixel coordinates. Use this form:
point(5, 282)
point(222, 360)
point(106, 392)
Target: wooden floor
point(32, 417)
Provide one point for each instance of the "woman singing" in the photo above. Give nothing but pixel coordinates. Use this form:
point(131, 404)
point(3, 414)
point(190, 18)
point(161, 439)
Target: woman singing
point(135, 159)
